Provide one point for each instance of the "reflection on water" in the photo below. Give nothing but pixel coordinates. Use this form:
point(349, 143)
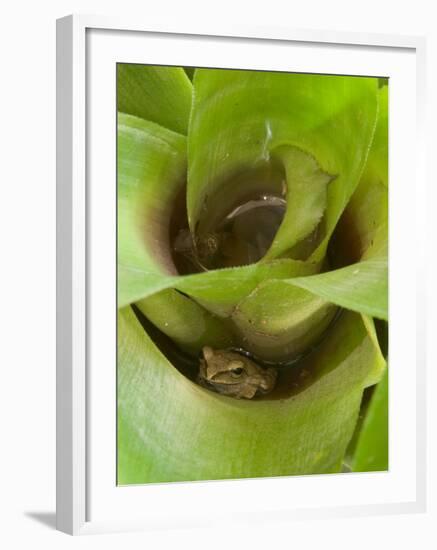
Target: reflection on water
point(242, 238)
point(239, 218)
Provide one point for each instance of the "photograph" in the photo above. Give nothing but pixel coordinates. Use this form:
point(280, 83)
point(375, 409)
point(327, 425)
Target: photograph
point(252, 273)
point(220, 224)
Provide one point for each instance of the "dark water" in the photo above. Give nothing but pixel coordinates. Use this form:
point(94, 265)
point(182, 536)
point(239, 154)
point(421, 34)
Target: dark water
point(242, 238)
point(238, 220)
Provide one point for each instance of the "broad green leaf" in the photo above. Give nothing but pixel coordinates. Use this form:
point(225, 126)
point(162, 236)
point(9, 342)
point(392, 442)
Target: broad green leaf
point(371, 452)
point(374, 376)
point(369, 205)
point(151, 175)
point(171, 429)
point(377, 163)
point(157, 94)
point(306, 200)
point(151, 168)
point(220, 291)
point(239, 118)
point(362, 232)
point(187, 323)
point(361, 287)
point(278, 322)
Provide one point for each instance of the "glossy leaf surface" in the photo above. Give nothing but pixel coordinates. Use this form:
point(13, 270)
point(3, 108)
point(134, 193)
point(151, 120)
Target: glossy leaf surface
point(170, 429)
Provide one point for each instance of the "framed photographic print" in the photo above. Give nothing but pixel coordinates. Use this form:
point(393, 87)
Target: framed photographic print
point(234, 334)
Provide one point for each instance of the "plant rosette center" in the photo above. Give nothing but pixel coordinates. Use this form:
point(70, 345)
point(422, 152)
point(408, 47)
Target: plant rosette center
point(252, 263)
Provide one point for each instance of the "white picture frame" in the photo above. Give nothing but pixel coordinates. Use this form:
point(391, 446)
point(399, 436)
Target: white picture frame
point(82, 487)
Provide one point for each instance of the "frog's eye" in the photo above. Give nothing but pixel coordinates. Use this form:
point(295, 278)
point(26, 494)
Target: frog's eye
point(236, 373)
point(237, 369)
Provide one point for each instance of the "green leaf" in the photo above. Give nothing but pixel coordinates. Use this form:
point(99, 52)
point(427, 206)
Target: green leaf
point(377, 163)
point(151, 168)
point(371, 453)
point(239, 118)
point(374, 375)
point(187, 323)
point(157, 94)
point(278, 322)
point(361, 287)
point(171, 429)
point(151, 175)
point(362, 232)
point(306, 200)
point(220, 291)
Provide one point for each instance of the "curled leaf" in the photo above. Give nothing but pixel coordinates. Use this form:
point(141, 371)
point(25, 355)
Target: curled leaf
point(171, 429)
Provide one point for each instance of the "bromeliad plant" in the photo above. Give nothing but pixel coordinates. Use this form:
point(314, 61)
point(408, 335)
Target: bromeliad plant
point(252, 215)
